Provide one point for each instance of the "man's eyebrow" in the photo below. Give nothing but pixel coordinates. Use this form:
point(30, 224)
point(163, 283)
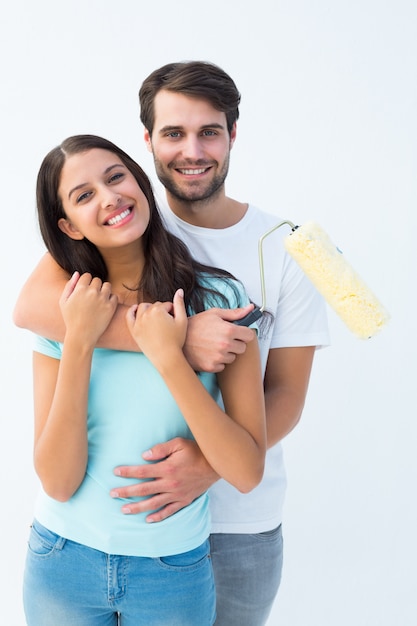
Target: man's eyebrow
point(171, 127)
point(106, 171)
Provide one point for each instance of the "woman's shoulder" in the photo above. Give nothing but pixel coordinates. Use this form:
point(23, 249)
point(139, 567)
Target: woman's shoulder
point(47, 346)
point(223, 291)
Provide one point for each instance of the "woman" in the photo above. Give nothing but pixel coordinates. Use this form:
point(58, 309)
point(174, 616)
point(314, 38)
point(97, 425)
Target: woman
point(88, 564)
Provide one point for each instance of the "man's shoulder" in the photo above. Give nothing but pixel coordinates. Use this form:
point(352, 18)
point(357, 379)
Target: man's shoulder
point(266, 216)
point(262, 221)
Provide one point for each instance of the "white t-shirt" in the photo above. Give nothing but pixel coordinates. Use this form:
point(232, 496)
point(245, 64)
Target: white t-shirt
point(299, 320)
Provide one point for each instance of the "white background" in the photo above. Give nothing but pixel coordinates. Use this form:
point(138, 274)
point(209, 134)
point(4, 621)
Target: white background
point(327, 132)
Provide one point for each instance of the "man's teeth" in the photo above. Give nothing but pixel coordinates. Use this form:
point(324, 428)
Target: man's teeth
point(200, 171)
point(118, 218)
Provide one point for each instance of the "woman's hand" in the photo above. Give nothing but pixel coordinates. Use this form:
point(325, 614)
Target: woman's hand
point(87, 305)
point(160, 328)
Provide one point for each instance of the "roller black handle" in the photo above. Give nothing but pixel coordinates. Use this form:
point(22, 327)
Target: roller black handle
point(250, 318)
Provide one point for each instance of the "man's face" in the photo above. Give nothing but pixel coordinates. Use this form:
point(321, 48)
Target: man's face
point(191, 146)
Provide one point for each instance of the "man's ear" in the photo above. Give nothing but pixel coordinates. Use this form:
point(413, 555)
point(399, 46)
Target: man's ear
point(233, 134)
point(147, 138)
point(69, 229)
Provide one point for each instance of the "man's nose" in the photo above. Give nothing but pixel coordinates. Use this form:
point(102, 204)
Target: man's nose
point(191, 148)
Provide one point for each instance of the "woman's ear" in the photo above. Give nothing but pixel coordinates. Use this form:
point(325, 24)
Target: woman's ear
point(69, 229)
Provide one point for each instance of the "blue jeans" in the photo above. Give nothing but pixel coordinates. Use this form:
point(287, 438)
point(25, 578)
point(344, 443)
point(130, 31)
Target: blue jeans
point(247, 572)
point(68, 584)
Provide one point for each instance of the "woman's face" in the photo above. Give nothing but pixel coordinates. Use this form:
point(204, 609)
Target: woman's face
point(102, 200)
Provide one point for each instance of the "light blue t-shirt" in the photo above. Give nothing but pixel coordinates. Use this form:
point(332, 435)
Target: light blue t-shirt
point(130, 409)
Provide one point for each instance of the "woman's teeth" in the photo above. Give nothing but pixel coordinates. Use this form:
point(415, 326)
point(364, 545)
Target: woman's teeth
point(118, 218)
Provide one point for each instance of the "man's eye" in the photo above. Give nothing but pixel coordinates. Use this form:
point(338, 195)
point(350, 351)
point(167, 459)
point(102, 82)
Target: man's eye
point(209, 133)
point(174, 134)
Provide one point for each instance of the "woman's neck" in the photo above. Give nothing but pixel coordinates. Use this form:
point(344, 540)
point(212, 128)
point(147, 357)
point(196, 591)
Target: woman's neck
point(124, 273)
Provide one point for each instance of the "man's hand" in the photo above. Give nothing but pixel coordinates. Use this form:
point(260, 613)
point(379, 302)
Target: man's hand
point(213, 341)
point(178, 475)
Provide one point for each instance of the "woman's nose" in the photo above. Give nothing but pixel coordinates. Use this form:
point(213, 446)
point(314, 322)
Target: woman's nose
point(110, 198)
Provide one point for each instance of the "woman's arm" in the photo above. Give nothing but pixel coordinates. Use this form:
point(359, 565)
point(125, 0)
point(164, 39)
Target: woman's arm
point(233, 442)
point(61, 389)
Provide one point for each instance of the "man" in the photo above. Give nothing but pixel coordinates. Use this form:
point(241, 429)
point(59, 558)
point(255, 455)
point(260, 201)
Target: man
point(189, 111)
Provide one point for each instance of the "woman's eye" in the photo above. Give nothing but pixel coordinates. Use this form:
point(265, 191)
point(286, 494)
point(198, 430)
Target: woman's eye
point(83, 196)
point(116, 177)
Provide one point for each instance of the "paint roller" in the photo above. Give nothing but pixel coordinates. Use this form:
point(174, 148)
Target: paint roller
point(332, 275)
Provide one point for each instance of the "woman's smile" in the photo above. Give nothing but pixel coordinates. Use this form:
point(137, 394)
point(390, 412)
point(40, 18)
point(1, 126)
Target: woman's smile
point(119, 218)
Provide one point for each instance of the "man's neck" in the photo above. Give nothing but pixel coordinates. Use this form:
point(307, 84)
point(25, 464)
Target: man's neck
point(221, 212)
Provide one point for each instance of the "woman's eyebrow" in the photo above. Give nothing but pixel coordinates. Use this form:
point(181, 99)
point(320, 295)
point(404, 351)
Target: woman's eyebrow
point(106, 171)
